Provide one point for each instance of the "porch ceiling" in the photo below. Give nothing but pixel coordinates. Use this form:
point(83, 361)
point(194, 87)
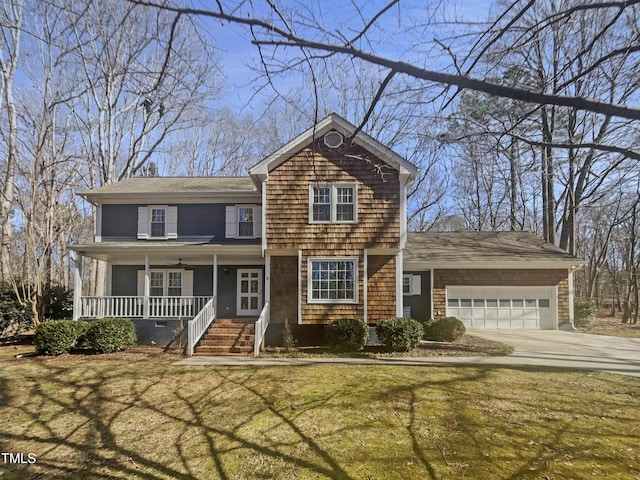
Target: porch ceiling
point(165, 252)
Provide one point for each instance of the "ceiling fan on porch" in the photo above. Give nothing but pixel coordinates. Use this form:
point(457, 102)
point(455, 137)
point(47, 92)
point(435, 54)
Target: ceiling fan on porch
point(179, 265)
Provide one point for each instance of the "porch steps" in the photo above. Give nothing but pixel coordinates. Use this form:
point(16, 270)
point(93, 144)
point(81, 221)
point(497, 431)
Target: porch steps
point(227, 337)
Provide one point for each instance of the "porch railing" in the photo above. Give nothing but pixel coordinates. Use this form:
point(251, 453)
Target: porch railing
point(261, 327)
point(134, 307)
point(200, 324)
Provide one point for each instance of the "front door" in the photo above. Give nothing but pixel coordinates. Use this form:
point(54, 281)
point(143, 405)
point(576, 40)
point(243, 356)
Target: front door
point(249, 291)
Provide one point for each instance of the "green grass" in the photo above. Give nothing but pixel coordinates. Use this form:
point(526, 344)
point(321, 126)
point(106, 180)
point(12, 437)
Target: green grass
point(134, 415)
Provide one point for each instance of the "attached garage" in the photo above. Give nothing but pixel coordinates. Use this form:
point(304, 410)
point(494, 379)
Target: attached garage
point(505, 280)
point(503, 307)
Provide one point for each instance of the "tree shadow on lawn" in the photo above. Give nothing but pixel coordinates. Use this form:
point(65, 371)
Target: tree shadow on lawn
point(127, 420)
point(520, 433)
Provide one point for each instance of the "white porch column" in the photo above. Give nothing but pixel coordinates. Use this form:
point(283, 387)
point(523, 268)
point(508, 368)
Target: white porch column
point(571, 294)
point(399, 299)
point(365, 283)
point(431, 293)
point(267, 278)
point(215, 283)
point(147, 288)
point(300, 287)
point(76, 265)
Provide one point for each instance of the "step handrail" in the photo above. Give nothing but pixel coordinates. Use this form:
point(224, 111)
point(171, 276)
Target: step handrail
point(260, 329)
point(199, 324)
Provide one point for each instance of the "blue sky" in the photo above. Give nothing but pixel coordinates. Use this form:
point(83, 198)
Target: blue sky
point(396, 37)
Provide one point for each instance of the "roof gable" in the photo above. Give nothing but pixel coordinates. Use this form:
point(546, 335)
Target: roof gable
point(332, 122)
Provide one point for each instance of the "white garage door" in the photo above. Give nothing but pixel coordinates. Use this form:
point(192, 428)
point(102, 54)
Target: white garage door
point(502, 307)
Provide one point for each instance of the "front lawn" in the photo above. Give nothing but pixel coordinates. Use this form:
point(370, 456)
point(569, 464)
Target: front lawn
point(134, 415)
point(612, 326)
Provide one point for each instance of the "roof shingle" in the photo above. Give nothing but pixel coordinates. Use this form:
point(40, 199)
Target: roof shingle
point(173, 185)
point(451, 248)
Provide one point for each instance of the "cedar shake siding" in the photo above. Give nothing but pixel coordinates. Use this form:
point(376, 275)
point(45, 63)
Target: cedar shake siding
point(378, 205)
point(377, 226)
point(381, 288)
point(487, 277)
point(284, 290)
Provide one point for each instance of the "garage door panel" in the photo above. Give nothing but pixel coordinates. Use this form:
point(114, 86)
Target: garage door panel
point(501, 307)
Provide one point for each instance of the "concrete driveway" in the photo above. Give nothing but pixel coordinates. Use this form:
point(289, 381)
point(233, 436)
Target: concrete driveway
point(557, 348)
point(533, 348)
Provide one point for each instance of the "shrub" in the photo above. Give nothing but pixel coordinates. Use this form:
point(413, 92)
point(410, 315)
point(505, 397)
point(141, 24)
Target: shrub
point(59, 302)
point(399, 334)
point(347, 334)
point(58, 336)
point(107, 335)
point(445, 329)
point(584, 311)
point(14, 317)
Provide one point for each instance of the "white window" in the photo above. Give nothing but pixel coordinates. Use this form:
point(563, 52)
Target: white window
point(167, 283)
point(333, 280)
point(174, 284)
point(157, 221)
point(156, 284)
point(411, 284)
point(335, 203)
point(243, 221)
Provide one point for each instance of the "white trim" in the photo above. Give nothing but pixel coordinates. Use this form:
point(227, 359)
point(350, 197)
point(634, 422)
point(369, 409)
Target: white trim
point(98, 223)
point(299, 287)
point(109, 278)
point(404, 179)
point(215, 282)
point(490, 265)
point(556, 308)
point(571, 295)
point(264, 218)
point(430, 294)
point(399, 296)
point(331, 301)
point(365, 284)
point(333, 202)
point(76, 265)
point(267, 278)
point(147, 286)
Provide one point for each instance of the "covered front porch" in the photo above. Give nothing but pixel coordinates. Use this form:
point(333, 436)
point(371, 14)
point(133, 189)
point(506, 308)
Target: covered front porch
point(171, 289)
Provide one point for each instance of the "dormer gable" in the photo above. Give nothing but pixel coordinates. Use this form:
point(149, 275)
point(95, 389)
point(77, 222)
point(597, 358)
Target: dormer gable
point(330, 129)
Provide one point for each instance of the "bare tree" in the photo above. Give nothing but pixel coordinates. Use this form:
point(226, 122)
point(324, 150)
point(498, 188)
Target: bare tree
point(11, 15)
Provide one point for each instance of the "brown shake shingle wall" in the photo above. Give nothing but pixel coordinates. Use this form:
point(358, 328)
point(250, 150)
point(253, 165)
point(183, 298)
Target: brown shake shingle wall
point(378, 224)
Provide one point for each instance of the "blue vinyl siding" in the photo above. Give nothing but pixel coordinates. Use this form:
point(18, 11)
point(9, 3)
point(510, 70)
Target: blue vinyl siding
point(119, 221)
point(420, 304)
point(196, 222)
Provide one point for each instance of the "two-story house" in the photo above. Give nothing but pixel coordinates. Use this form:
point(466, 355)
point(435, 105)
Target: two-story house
point(317, 231)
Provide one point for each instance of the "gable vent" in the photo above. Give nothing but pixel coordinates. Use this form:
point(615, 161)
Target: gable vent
point(333, 139)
